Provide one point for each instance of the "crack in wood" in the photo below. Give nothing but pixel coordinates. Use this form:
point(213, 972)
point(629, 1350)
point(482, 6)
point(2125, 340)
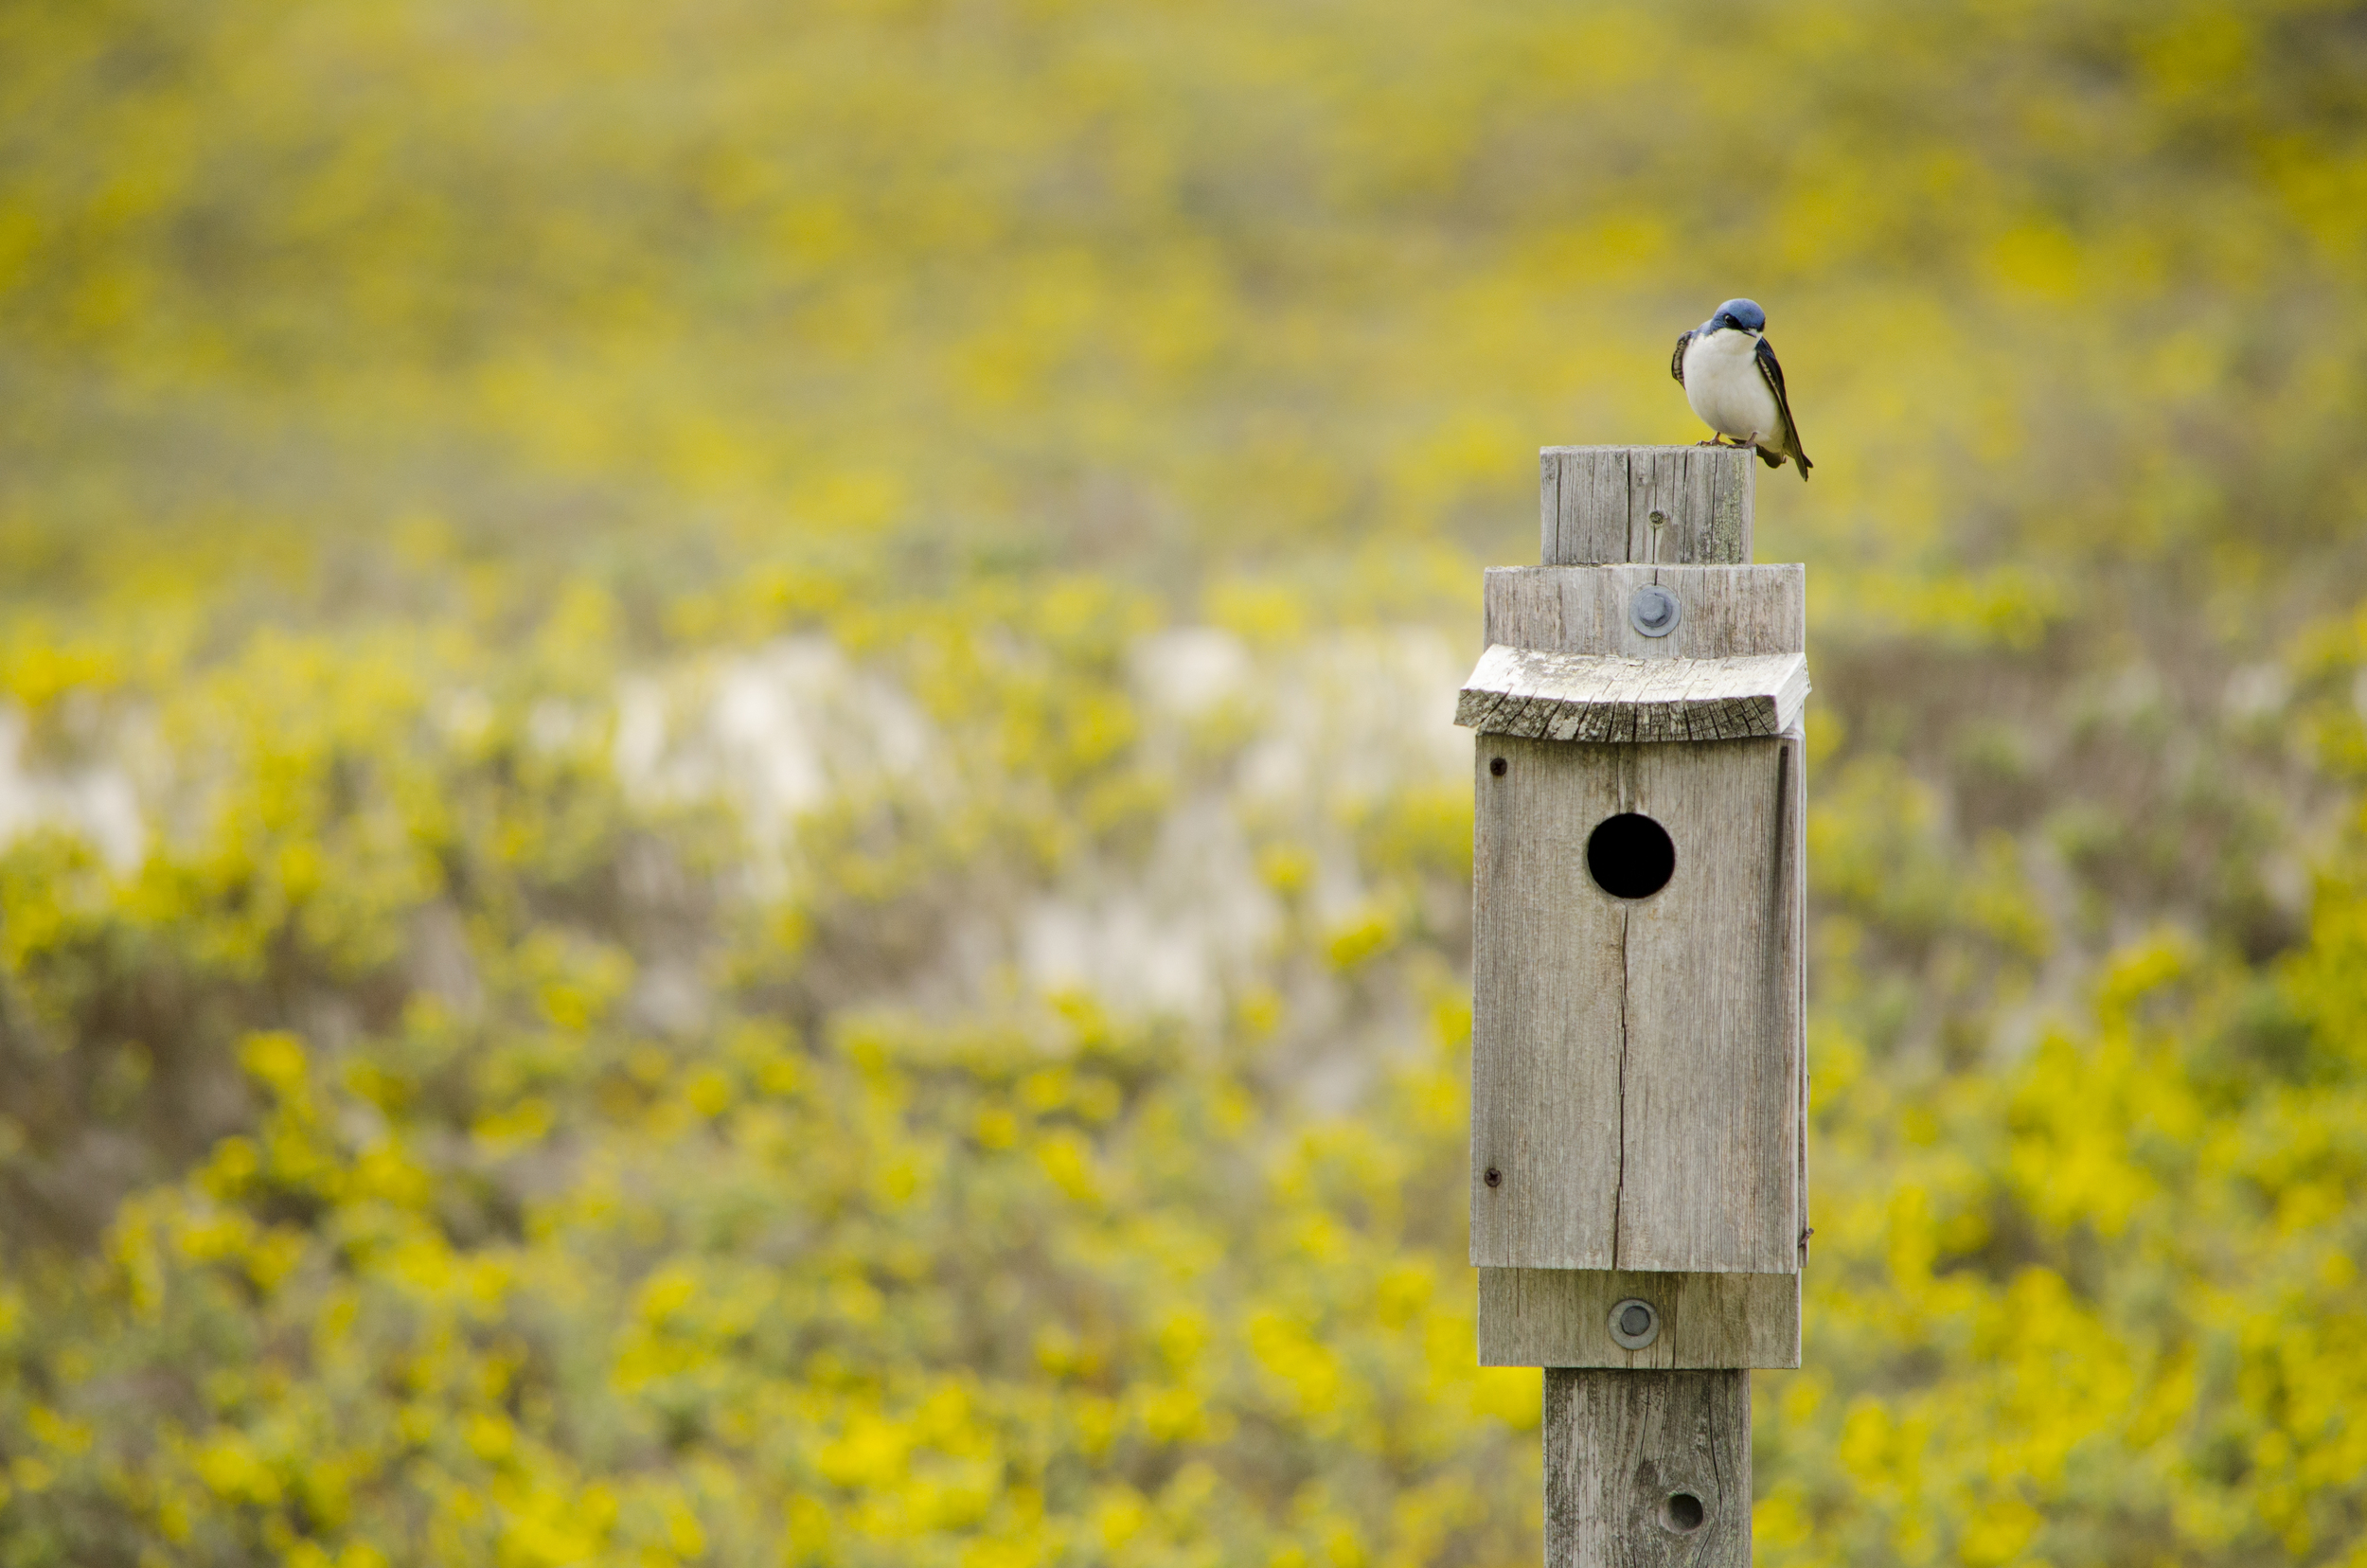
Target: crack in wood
point(1619, 1192)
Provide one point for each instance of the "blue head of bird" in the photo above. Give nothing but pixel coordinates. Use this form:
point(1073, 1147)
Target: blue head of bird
point(1743, 316)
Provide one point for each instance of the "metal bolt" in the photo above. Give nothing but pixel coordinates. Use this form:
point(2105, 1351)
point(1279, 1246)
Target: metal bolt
point(1654, 610)
point(1494, 1178)
point(1634, 1325)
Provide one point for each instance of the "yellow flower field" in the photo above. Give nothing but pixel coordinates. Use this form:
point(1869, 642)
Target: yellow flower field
point(727, 825)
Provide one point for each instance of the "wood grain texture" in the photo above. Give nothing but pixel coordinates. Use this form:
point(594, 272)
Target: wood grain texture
point(1595, 506)
point(1709, 1117)
point(1634, 1061)
point(1728, 612)
point(1547, 948)
point(1582, 505)
point(1620, 1445)
point(1791, 958)
point(1561, 1317)
point(1529, 692)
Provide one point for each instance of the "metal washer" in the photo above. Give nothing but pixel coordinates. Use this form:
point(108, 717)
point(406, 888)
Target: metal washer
point(1635, 1339)
point(1654, 610)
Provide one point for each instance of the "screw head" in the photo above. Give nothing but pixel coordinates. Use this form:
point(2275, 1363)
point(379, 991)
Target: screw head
point(1496, 766)
point(1634, 1324)
point(1494, 1178)
point(1654, 610)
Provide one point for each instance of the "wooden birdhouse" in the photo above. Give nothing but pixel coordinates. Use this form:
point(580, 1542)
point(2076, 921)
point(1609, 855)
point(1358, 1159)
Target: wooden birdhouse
point(1639, 1185)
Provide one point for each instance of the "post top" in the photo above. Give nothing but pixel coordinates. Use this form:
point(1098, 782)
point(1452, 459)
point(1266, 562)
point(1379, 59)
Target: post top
point(1599, 446)
point(1687, 505)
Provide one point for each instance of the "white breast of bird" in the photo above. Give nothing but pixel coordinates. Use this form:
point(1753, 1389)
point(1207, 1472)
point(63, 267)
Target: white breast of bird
point(1723, 385)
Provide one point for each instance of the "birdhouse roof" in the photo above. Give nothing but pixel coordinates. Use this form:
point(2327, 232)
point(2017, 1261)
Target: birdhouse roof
point(1531, 693)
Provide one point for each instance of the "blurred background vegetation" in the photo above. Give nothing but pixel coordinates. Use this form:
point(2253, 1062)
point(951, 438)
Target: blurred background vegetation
point(667, 893)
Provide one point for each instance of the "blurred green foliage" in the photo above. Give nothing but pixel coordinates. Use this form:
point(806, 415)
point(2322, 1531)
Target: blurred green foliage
point(445, 1116)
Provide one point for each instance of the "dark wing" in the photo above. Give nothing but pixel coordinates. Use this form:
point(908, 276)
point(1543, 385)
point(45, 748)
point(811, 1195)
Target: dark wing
point(1773, 374)
point(1677, 360)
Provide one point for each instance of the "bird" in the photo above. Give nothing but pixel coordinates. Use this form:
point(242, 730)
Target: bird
point(1733, 381)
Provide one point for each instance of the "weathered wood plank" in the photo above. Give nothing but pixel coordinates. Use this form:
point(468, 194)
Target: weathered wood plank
point(1792, 964)
point(1634, 1060)
point(1582, 504)
point(1595, 506)
point(1545, 1024)
point(1647, 1469)
point(1709, 1126)
point(1759, 694)
point(1728, 612)
point(1561, 1317)
point(1705, 494)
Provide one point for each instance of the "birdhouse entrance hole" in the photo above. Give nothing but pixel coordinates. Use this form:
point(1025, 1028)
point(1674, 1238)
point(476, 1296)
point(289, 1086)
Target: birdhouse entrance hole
point(1630, 856)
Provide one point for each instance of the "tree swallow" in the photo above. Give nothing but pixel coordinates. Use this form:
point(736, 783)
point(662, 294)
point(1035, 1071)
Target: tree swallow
point(1733, 381)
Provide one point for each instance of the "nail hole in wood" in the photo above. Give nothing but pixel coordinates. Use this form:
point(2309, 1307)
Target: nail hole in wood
point(1630, 856)
point(1682, 1513)
point(1497, 767)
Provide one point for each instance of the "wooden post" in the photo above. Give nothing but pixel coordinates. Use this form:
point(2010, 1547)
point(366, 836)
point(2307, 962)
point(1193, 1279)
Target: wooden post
point(1639, 1180)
